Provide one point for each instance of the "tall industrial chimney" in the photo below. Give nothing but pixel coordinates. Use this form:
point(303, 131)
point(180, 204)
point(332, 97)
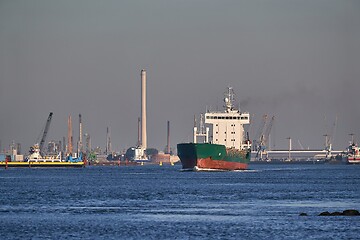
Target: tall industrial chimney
point(168, 138)
point(64, 145)
point(143, 110)
point(70, 137)
point(139, 133)
point(108, 141)
point(80, 144)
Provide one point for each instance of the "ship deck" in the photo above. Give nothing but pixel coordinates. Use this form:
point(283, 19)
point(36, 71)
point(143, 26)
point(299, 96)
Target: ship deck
point(41, 164)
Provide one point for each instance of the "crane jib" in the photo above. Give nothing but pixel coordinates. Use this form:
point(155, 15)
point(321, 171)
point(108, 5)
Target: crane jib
point(45, 132)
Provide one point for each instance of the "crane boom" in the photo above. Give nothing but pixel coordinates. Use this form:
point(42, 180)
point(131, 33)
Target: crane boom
point(267, 132)
point(261, 128)
point(45, 132)
point(262, 145)
point(260, 133)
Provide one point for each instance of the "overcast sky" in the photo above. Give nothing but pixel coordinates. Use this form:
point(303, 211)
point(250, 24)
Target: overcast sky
point(296, 60)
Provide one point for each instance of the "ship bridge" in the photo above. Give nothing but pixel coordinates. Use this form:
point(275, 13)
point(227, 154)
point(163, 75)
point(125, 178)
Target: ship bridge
point(242, 118)
point(225, 127)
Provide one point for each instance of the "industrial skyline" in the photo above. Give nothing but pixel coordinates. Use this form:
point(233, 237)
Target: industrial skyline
point(295, 60)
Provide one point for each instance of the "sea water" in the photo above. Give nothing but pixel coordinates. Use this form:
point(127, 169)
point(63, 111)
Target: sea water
point(161, 202)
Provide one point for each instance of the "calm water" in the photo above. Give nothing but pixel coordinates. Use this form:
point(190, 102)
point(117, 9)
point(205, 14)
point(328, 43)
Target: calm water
point(153, 202)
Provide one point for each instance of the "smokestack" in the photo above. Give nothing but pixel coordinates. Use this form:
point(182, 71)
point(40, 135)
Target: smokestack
point(88, 143)
point(80, 146)
point(70, 137)
point(108, 141)
point(168, 137)
point(139, 133)
point(64, 145)
point(143, 110)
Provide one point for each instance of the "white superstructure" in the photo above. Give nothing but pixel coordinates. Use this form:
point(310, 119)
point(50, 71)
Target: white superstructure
point(225, 127)
point(35, 156)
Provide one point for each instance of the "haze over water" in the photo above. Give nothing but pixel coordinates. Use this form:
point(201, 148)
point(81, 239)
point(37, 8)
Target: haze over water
point(297, 60)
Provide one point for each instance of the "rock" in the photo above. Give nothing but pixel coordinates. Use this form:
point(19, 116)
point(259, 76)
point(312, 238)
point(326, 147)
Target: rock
point(325, 214)
point(336, 214)
point(350, 212)
point(303, 214)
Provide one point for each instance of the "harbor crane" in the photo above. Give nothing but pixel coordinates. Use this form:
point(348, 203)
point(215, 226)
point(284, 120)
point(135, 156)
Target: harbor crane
point(259, 133)
point(265, 138)
point(46, 129)
point(40, 146)
point(329, 139)
point(262, 140)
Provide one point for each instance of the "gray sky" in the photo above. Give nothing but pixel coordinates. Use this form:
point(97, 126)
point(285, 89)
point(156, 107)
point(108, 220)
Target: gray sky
point(297, 60)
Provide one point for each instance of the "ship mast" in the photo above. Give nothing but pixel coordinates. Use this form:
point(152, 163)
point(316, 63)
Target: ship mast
point(227, 126)
point(229, 99)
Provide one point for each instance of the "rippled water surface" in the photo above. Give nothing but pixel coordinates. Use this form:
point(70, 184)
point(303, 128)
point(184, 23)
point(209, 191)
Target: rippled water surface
point(160, 202)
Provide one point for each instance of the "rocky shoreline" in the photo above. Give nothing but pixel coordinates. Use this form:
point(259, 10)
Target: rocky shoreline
point(348, 212)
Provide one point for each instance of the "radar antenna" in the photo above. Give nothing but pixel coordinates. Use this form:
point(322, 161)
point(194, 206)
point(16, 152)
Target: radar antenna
point(229, 99)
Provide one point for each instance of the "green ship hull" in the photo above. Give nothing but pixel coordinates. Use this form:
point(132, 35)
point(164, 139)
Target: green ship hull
point(206, 156)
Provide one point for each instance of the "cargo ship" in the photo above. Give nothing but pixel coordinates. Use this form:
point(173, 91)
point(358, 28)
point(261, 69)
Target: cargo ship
point(223, 144)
